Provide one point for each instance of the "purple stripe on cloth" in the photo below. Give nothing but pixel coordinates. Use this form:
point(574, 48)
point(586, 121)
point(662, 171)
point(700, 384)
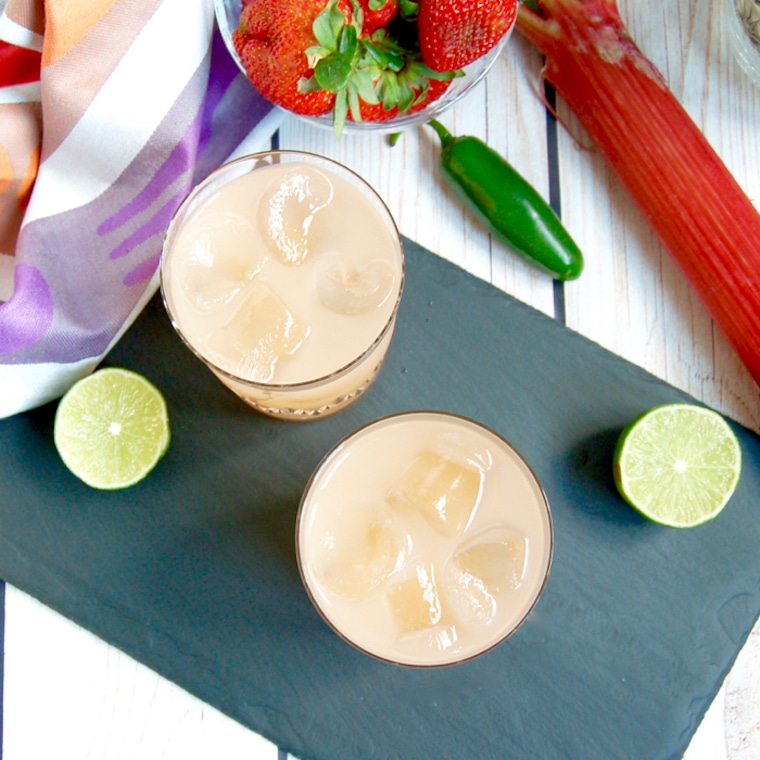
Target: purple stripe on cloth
point(178, 162)
point(237, 108)
point(221, 75)
point(193, 143)
point(26, 316)
point(143, 271)
point(156, 225)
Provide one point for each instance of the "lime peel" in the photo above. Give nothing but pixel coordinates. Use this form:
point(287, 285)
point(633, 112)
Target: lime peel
point(112, 428)
point(678, 464)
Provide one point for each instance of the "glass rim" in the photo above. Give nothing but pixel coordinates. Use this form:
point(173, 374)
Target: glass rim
point(543, 503)
point(301, 384)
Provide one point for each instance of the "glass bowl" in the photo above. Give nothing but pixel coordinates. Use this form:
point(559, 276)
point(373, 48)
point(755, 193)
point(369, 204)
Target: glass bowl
point(743, 21)
point(228, 15)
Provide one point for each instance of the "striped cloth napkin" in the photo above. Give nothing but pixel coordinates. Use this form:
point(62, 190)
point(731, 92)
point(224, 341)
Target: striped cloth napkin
point(110, 111)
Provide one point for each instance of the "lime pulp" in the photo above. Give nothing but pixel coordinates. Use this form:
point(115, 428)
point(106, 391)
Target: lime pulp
point(111, 428)
point(678, 464)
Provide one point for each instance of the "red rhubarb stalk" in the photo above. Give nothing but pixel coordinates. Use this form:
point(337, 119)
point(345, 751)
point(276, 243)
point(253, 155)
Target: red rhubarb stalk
point(700, 213)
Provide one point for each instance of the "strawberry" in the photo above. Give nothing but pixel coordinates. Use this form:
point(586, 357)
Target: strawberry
point(423, 92)
point(377, 13)
point(316, 56)
point(271, 39)
point(454, 33)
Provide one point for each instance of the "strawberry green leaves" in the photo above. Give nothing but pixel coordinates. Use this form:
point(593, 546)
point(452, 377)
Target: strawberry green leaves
point(408, 8)
point(334, 70)
point(364, 69)
point(332, 58)
point(338, 60)
point(358, 59)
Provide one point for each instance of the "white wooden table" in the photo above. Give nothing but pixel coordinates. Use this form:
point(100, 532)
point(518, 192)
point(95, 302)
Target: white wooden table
point(69, 695)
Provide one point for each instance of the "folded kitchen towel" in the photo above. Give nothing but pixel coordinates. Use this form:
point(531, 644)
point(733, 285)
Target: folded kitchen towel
point(110, 111)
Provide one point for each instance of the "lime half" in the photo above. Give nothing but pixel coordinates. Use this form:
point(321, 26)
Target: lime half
point(678, 464)
point(111, 428)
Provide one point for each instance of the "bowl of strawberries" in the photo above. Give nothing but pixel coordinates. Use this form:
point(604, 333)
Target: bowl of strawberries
point(377, 65)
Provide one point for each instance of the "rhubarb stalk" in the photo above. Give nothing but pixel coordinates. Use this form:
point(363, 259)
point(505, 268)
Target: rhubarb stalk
point(700, 213)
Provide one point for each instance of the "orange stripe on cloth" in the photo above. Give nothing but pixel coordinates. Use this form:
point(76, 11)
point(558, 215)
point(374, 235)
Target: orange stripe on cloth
point(6, 170)
point(67, 22)
point(20, 138)
point(28, 177)
point(107, 43)
point(13, 205)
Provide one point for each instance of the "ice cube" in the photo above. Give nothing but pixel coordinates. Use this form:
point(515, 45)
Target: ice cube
point(215, 261)
point(415, 601)
point(444, 491)
point(438, 639)
point(484, 573)
point(261, 333)
point(348, 287)
point(421, 620)
point(287, 210)
point(361, 551)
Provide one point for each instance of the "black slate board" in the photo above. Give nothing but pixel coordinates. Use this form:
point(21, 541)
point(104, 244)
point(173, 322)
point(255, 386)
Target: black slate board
point(193, 571)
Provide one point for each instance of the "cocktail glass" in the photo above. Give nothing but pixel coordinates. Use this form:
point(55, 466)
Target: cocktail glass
point(424, 539)
point(283, 272)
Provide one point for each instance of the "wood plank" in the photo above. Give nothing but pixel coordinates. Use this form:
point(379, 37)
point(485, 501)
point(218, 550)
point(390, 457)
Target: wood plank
point(69, 695)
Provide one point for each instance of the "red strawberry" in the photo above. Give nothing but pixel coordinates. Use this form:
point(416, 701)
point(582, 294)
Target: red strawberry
point(271, 40)
point(377, 13)
point(454, 33)
point(313, 56)
point(431, 92)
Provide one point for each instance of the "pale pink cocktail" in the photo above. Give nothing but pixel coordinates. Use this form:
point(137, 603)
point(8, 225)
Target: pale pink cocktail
point(424, 539)
point(283, 272)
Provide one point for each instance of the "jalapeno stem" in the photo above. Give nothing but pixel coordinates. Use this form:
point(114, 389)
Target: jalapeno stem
point(443, 133)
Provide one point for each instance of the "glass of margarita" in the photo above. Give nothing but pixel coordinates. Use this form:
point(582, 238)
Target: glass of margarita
point(424, 539)
point(283, 272)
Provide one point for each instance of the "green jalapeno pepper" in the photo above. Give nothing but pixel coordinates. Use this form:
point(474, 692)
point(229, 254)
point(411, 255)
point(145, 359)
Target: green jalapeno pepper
point(507, 205)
